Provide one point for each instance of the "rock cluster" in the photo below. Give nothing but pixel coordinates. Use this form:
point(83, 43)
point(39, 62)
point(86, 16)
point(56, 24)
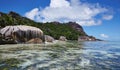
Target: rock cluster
point(29, 34)
point(87, 38)
point(24, 34)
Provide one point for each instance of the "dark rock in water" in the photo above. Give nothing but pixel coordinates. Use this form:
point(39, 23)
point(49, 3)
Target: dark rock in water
point(87, 38)
point(20, 33)
point(35, 41)
point(49, 38)
point(62, 38)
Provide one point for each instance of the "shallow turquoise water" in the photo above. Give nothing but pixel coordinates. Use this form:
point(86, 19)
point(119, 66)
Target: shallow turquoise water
point(92, 56)
point(100, 55)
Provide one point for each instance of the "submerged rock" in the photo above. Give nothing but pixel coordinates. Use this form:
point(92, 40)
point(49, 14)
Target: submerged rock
point(62, 38)
point(88, 38)
point(49, 38)
point(21, 33)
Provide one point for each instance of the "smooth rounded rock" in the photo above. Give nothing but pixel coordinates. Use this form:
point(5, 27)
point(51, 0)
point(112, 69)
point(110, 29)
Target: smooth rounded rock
point(21, 33)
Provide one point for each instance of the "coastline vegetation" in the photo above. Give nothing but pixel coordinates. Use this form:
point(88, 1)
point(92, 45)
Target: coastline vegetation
point(54, 29)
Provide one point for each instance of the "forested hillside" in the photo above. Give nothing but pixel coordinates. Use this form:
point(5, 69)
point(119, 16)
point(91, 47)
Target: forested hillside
point(70, 30)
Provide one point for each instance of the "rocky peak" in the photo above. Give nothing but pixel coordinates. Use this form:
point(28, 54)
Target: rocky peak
point(56, 23)
point(77, 27)
point(1, 13)
point(13, 14)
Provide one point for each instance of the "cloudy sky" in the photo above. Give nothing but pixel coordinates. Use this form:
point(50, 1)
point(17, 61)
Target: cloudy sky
point(100, 18)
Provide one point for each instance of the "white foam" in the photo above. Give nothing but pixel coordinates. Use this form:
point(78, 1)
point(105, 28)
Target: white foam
point(84, 62)
point(46, 64)
point(26, 63)
point(94, 51)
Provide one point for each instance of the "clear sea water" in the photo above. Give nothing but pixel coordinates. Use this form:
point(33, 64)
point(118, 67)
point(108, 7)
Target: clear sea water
point(100, 55)
point(92, 56)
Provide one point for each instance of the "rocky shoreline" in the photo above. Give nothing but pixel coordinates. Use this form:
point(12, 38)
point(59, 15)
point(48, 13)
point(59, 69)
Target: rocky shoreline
point(19, 29)
point(28, 34)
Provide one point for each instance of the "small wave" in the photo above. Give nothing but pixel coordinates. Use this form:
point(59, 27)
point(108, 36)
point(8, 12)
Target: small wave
point(84, 62)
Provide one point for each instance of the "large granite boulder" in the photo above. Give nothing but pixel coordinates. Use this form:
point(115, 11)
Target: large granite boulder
point(49, 38)
point(62, 38)
point(21, 33)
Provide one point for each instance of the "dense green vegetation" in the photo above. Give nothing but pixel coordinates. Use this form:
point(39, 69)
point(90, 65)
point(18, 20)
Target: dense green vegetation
point(60, 30)
point(49, 28)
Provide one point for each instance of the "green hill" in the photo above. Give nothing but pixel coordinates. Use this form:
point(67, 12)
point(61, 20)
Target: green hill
point(70, 30)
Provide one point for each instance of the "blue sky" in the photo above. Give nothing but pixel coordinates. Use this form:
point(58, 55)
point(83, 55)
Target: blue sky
point(100, 18)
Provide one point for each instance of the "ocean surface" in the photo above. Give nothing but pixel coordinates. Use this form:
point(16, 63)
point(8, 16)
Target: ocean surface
point(100, 55)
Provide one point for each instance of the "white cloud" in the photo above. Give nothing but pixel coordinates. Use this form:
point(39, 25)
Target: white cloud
point(107, 17)
point(104, 35)
point(31, 14)
point(59, 3)
point(64, 11)
point(89, 22)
